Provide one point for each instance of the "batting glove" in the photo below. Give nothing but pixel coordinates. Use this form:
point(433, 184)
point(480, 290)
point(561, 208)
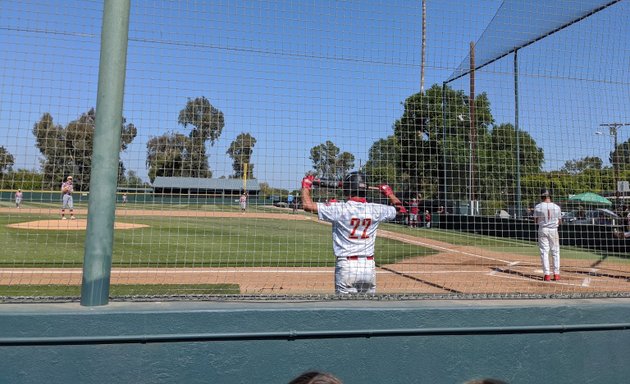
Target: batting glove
point(386, 190)
point(307, 182)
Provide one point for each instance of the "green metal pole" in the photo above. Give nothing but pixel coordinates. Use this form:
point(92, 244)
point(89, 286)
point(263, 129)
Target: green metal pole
point(97, 261)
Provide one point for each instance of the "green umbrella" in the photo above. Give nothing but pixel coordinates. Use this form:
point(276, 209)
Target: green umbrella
point(590, 198)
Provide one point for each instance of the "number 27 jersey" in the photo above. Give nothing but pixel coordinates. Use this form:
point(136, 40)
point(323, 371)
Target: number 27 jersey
point(354, 225)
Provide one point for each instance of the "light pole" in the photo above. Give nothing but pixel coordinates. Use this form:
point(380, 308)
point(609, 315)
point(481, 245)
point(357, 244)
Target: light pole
point(614, 127)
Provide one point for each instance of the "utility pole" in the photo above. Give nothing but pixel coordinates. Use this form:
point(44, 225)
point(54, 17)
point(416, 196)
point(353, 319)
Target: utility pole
point(614, 127)
point(424, 43)
point(473, 133)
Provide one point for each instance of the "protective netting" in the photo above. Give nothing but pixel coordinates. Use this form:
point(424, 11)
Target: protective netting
point(512, 28)
point(228, 105)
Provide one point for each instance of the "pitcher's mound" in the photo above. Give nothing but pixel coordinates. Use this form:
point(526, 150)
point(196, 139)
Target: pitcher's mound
point(67, 225)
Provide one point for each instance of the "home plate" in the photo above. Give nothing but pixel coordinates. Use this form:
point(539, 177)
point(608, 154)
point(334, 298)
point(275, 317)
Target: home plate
point(67, 225)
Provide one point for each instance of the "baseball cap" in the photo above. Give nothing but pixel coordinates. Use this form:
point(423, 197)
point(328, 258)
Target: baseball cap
point(545, 192)
point(69, 177)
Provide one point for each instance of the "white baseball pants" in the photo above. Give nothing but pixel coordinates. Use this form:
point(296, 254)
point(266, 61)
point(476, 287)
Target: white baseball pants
point(548, 240)
point(355, 276)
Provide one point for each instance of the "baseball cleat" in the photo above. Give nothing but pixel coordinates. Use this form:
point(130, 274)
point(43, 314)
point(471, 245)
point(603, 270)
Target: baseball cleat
point(556, 277)
point(547, 278)
point(72, 218)
point(64, 218)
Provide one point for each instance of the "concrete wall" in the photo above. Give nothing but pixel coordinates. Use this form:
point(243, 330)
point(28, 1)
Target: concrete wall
point(543, 341)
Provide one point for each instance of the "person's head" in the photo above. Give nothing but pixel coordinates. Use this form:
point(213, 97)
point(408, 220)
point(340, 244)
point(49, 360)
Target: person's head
point(545, 194)
point(354, 184)
point(19, 190)
point(315, 377)
point(69, 178)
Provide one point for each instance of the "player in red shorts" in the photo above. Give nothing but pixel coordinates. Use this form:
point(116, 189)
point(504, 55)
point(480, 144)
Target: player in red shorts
point(413, 213)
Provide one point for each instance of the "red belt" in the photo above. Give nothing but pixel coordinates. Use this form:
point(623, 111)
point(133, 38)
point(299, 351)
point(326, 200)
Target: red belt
point(360, 257)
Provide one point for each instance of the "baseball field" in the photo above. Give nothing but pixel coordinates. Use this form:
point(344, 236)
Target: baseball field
point(217, 250)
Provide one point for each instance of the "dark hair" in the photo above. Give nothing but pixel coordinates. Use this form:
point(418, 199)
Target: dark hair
point(315, 377)
point(545, 193)
point(355, 184)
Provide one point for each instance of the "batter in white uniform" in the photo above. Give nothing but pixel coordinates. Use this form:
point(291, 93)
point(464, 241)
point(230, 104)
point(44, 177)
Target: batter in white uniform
point(548, 216)
point(354, 225)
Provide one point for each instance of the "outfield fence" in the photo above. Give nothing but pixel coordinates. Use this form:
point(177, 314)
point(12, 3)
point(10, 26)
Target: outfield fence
point(471, 112)
point(34, 198)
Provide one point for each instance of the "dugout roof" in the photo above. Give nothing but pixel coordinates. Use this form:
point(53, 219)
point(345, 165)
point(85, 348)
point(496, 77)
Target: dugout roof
point(513, 27)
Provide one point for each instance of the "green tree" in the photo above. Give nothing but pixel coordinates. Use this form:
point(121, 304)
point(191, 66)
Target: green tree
point(267, 191)
point(329, 162)
point(381, 164)
point(207, 124)
point(132, 180)
point(575, 167)
point(423, 148)
point(240, 151)
point(177, 155)
point(6, 160)
point(621, 156)
point(439, 151)
point(168, 155)
point(498, 163)
point(68, 151)
point(29, 180)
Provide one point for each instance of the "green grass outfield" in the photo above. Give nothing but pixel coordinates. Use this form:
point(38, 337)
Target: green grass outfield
point(228, 242)
point(118, 290)
point(190, 242)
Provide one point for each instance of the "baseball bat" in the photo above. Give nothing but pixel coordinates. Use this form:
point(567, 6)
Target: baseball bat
point(339, 184)
point(326, 183)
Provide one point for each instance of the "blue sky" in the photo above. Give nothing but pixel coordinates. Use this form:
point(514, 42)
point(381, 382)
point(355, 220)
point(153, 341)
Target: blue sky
point(297, 73)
